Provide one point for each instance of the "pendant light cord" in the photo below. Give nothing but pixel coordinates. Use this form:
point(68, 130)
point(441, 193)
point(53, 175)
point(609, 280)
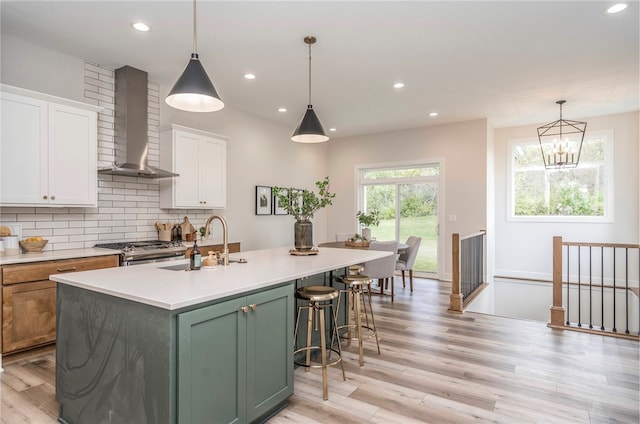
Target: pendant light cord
point(309, 74)
point(194, 27)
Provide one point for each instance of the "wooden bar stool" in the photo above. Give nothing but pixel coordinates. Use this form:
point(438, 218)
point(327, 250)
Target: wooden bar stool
point(318, 298)
point(359, 292)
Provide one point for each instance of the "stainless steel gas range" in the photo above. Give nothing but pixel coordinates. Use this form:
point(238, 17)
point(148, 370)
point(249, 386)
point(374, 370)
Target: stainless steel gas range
point(147, 251)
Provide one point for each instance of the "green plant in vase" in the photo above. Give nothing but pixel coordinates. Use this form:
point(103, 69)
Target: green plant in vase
point(367, 220)
point(303, 204)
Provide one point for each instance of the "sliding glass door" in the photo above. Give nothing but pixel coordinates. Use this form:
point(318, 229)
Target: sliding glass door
point(407, 200)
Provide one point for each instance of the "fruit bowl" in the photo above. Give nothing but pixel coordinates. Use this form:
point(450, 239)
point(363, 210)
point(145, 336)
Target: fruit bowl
point(33, 246)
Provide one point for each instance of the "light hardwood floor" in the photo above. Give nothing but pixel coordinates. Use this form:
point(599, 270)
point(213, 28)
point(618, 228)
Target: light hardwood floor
point(435, 367)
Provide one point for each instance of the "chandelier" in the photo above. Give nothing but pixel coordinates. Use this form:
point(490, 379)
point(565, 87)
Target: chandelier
point(561, 142)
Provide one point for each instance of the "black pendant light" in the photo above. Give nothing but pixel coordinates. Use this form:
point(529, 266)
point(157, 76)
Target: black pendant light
point(561, 142)
point(310, 129)
point(194, 91)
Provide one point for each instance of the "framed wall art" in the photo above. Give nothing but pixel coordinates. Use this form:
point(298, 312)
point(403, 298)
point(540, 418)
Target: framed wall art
point(263, 200)
point(278, 207)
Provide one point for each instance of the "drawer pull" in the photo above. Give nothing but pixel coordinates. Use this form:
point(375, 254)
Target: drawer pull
point(70, 269)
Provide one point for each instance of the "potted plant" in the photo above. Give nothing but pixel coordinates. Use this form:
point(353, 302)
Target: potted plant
point(367, 220)
point(302, 204)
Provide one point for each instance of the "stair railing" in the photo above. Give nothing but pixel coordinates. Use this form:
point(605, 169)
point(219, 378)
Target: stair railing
point(468, 265)
point(599, 292)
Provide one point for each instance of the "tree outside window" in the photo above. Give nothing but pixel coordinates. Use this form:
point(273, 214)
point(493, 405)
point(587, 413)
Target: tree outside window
point(570, 192)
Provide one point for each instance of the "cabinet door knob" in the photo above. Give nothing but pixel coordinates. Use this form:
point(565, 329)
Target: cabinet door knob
point(253, 306)
point(45, 197)
point(244, 309)
point(53, 197)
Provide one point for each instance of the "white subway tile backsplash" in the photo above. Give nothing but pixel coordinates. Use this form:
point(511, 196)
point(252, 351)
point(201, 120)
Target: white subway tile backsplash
point(136, 186)
point(52, 224)
point(67, 231)
point(109, 211)
point(111, 197)
point(83, 224)
point(97, 231)
point(83, 237)
point(69, 217)
point(109, 183)
point(125, 191)
point(35, 217)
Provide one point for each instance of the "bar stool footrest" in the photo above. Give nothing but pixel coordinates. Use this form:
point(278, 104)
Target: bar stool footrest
point(329, 350)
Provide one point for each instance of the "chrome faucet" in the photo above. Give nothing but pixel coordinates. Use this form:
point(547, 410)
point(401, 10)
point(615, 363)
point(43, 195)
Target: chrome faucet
point(225, 241)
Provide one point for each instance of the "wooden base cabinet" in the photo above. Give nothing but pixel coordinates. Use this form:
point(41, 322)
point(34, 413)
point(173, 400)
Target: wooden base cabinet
point(28, 315)
point(234, 358)
point(29, 299)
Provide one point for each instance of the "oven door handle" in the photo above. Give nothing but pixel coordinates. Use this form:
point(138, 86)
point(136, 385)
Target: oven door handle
point(128, 260)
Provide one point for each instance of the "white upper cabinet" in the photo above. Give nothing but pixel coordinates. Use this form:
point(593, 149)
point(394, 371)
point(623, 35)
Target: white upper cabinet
point(48, 150)
point(201, 160)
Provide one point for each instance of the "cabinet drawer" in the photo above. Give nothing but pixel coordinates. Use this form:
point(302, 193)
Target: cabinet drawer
point(38, 271)
point(28, 315)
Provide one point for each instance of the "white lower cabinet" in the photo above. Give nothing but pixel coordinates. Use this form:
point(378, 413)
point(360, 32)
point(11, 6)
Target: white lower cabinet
point(48, 151)
point(201, 160)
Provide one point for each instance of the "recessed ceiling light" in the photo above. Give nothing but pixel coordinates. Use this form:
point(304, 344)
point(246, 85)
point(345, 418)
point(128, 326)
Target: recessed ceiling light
point(332, 129)
point(432, 114)
point(398, 85)
point(617, 8)
point(140, 26)
point(282, 109)
point(250, 76)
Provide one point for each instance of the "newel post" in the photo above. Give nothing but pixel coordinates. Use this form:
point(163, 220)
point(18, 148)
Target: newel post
point(557, 310)
point(455, 300)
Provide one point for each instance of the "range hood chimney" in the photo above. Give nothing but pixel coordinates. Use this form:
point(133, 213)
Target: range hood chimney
point(131, 150)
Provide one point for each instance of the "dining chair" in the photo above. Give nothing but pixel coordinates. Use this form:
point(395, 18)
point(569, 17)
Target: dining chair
point(382, 269)
point(408, 258)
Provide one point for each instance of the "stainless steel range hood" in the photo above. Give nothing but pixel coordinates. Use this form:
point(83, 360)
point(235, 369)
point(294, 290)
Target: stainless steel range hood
point(131, 149)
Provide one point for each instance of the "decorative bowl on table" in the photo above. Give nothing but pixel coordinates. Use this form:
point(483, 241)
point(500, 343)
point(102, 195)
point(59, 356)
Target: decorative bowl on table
point(33, 246)
point(357, 243)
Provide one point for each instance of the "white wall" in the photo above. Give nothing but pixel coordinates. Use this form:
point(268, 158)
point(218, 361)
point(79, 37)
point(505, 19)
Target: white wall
point(463, 148)
point(524, 249)
point(259, 153)
point(36, 68)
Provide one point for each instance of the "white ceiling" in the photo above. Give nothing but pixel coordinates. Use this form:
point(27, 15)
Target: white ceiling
point(508, 61)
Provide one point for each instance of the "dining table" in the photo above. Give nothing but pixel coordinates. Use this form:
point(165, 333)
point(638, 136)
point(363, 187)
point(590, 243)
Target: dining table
point(402, 247)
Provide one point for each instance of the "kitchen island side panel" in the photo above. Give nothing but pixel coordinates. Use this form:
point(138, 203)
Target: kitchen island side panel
point(113, 359)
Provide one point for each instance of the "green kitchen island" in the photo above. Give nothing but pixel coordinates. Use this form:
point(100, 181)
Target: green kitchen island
point(156, 344)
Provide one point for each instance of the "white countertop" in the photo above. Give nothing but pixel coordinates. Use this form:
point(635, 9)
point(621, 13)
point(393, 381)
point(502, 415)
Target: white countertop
point(53, 255)
point(167, 289)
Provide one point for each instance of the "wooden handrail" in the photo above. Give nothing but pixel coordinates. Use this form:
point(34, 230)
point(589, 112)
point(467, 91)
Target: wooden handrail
point(584, 244)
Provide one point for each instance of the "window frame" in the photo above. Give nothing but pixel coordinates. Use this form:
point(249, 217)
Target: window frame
point(608, 188)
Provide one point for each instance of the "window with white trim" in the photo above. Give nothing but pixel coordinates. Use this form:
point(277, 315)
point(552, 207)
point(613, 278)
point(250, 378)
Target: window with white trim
point(576, 194)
